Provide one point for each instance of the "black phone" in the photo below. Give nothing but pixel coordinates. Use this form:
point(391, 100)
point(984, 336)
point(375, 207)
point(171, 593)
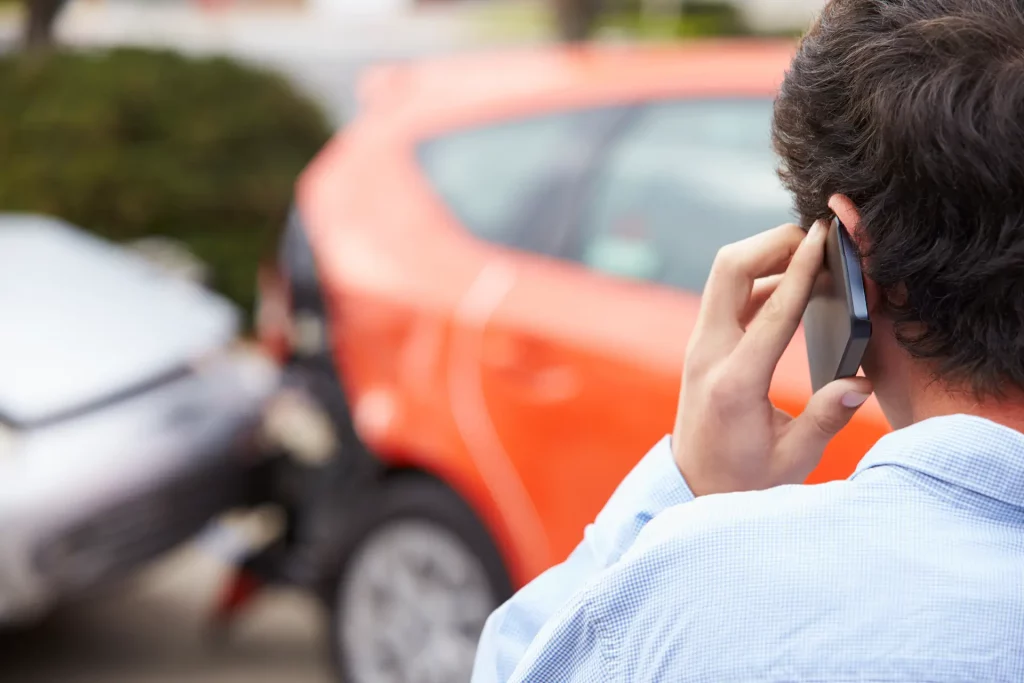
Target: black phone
point(836, 323)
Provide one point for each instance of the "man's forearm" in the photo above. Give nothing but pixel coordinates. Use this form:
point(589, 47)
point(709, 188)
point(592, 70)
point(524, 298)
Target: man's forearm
point(654, 485)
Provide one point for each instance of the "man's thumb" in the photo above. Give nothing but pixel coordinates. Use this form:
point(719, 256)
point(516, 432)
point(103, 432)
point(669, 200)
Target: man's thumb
point(826, 413)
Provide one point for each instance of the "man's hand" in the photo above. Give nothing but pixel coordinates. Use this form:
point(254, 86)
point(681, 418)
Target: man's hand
point(728, 436)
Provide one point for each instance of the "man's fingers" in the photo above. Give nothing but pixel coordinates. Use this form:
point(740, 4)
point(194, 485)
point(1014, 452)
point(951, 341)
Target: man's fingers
point(828, 411)
point(763, 289)
point(735, 269)
point(772, 329)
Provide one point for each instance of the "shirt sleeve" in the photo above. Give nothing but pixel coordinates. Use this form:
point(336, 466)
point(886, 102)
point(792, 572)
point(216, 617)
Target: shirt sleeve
point(654, 485)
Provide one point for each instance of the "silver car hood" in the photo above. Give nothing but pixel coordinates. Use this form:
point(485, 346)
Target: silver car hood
point(82, 320)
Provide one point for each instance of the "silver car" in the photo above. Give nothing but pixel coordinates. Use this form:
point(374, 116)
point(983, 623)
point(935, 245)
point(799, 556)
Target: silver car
point(129, 414)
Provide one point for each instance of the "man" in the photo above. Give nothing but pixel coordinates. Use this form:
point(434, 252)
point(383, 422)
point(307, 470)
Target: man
point(711, 563)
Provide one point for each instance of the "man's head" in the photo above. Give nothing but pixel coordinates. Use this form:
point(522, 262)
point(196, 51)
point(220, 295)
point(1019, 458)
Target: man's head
point(907, 116)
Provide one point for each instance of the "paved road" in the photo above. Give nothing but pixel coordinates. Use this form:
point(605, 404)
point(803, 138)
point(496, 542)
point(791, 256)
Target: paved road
point(150, 630)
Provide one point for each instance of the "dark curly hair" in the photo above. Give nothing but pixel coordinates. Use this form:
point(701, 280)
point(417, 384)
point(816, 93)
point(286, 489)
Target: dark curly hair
point(914, 109)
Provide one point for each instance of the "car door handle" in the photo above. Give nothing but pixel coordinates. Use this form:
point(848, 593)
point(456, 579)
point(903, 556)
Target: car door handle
point(555, 384)
point(527, 368)
point(504, 355)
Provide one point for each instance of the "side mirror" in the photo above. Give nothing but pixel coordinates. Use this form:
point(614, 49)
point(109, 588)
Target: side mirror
point(172, 257)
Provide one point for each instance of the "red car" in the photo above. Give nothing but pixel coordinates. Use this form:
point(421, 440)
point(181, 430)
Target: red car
point(492, 272)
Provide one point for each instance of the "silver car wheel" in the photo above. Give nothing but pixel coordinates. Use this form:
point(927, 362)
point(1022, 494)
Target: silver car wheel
point(411, 606)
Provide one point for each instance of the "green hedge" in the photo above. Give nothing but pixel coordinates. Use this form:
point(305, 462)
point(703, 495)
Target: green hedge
point(696, 18)
point(133, 143)
point(535, 21)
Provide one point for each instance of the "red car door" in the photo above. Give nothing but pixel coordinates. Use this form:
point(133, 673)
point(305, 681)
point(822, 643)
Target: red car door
point(571, 389)
point(579, 357)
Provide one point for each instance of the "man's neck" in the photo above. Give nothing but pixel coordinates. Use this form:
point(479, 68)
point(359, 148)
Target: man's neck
point(935, 402)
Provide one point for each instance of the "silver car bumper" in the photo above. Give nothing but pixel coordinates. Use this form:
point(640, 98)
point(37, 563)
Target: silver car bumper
point(86, 500)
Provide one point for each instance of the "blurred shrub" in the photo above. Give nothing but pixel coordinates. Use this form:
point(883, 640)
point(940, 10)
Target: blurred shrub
point(698, 19)
point(134, 143)
point(628, 19)
point(690, 19)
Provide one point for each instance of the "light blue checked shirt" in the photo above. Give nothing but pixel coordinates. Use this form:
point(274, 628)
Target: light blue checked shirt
point(912, 570)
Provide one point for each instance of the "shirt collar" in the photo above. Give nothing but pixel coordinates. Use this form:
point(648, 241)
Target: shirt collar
point(964, 450)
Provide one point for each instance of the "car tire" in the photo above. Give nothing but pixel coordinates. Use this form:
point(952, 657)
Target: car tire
point(417, 577)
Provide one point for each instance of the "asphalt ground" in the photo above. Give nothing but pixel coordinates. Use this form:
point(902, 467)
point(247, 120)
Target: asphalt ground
point(154, 628)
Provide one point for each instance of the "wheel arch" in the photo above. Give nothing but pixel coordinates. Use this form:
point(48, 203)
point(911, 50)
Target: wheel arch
point(518, 554)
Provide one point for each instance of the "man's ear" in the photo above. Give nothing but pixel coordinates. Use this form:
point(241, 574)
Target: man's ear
point(846, 212)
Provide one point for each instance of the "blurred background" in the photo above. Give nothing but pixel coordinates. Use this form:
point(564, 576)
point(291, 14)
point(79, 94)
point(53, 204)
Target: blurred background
point(149, 154)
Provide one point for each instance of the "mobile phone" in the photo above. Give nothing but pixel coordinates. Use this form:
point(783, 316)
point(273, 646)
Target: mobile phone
point(836, 323)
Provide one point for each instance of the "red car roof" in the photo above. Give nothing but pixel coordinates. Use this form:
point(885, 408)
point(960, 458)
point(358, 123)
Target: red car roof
point(577, 75)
